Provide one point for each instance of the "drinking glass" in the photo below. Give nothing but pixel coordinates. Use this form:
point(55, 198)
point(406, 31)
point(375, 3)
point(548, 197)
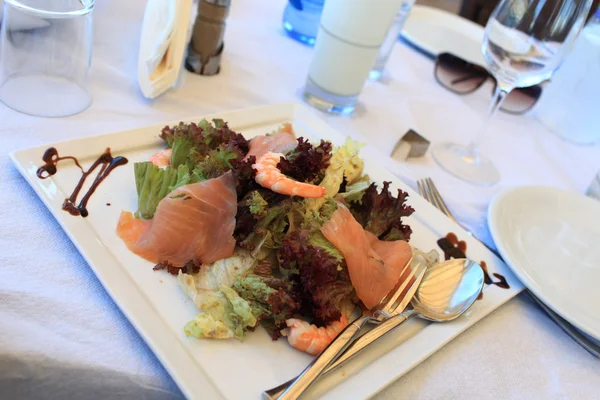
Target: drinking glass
point(45, 56)
point(347, 46)
point(390, 40)
point(525, 41)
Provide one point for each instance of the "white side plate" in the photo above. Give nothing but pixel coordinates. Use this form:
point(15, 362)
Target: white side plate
point(550, 238)
point(437, 31)
point(158, 309)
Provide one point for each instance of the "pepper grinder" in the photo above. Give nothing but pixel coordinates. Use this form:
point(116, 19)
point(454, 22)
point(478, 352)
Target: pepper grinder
point(206, 45)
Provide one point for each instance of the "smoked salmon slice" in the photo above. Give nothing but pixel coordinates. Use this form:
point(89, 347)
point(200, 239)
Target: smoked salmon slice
point(282, 141)
point(374, 266)
point(395, 254)
point(194, 222)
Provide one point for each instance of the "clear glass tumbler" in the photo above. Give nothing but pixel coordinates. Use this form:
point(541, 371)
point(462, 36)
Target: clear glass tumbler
point(45, 56)
point(390, 40)
point(347, 45)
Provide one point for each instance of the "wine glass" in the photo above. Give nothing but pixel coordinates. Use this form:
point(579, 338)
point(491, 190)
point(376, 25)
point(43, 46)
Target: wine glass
point(525, 41)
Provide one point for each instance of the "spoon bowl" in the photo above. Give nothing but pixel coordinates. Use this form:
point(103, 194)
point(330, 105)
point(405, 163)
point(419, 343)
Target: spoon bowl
point(448, 290)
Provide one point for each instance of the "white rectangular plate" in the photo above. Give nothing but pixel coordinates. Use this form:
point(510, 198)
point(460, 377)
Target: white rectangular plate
point(158, 309)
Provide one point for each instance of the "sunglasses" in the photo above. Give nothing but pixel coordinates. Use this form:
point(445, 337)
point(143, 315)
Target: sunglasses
point(463, 77)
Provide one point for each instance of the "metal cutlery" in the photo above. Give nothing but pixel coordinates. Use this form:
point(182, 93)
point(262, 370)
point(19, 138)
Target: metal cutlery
point(429, 192)
point(448, 289)
point(348, 335)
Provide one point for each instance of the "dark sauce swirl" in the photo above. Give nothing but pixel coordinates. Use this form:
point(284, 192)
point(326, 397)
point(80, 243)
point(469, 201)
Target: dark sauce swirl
point(106, 162)
point(454, 248)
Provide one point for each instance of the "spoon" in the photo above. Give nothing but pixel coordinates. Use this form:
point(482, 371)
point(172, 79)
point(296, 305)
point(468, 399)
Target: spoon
point(448, 290)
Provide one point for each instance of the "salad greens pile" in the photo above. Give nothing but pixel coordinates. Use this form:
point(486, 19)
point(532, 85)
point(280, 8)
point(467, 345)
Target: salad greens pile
point(295, 269)
point(199, 152)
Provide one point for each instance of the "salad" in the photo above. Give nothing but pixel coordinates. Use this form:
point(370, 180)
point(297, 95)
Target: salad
point(274, 231)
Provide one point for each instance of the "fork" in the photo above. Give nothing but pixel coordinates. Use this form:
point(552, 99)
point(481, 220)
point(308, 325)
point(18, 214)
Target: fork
point(393, 305)
point(429, 192)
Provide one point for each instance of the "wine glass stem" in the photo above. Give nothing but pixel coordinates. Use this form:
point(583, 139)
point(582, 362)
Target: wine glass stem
point(500, 94)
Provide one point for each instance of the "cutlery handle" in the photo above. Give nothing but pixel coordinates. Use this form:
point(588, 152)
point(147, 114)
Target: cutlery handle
point(324, 360)
point(371, 336)
point(359, 345)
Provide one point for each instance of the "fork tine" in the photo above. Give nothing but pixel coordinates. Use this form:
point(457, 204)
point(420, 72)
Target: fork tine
point(419, 270)
point(431, 196)
point(391, 300)
point(420, 188)
point(428, 194)
point(439, 198)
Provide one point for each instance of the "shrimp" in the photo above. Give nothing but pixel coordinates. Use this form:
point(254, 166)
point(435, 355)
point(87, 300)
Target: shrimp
point(307, 337)
point(162, 158)
point(268, 176)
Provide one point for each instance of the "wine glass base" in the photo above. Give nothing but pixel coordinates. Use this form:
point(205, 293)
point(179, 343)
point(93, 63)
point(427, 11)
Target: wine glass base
point(457, 160)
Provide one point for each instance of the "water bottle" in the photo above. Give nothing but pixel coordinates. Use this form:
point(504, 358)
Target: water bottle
point(301, 20)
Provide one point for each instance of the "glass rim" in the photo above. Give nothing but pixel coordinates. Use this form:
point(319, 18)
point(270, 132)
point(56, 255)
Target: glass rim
point(88, 6)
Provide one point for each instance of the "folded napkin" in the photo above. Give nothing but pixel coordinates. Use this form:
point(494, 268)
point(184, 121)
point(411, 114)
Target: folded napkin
point(166, 32)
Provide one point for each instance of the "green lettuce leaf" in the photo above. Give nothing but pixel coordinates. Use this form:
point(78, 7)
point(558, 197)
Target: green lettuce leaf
point(152, 184)
point(183, 177)
point(268, 231)
point(225, 315)
point(182, 148)
point(317, 239)
point(356, 191)
point(345, 164)
point(217, 161)
point(271, 300)
point(256, 203)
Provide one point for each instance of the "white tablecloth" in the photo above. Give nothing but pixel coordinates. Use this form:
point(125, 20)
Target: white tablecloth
point(61, 336)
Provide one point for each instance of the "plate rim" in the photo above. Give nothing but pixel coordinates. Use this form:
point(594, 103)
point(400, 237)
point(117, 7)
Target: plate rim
point(493, 222)
point(416, 42)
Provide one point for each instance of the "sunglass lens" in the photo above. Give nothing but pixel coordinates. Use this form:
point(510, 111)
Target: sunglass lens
point(520, 100)
point(458, 75)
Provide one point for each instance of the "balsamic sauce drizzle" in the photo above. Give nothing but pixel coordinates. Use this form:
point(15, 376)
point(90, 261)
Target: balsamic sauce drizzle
point(454, 248)
point(106, 162)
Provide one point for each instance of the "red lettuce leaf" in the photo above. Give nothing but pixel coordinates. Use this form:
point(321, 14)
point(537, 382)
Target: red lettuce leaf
point(244, 175)
point(306, 163)
point(323, 283)
point(205, 135)
point(381, 213)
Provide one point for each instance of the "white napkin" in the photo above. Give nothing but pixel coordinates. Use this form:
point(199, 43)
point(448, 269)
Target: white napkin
point(165, 34)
